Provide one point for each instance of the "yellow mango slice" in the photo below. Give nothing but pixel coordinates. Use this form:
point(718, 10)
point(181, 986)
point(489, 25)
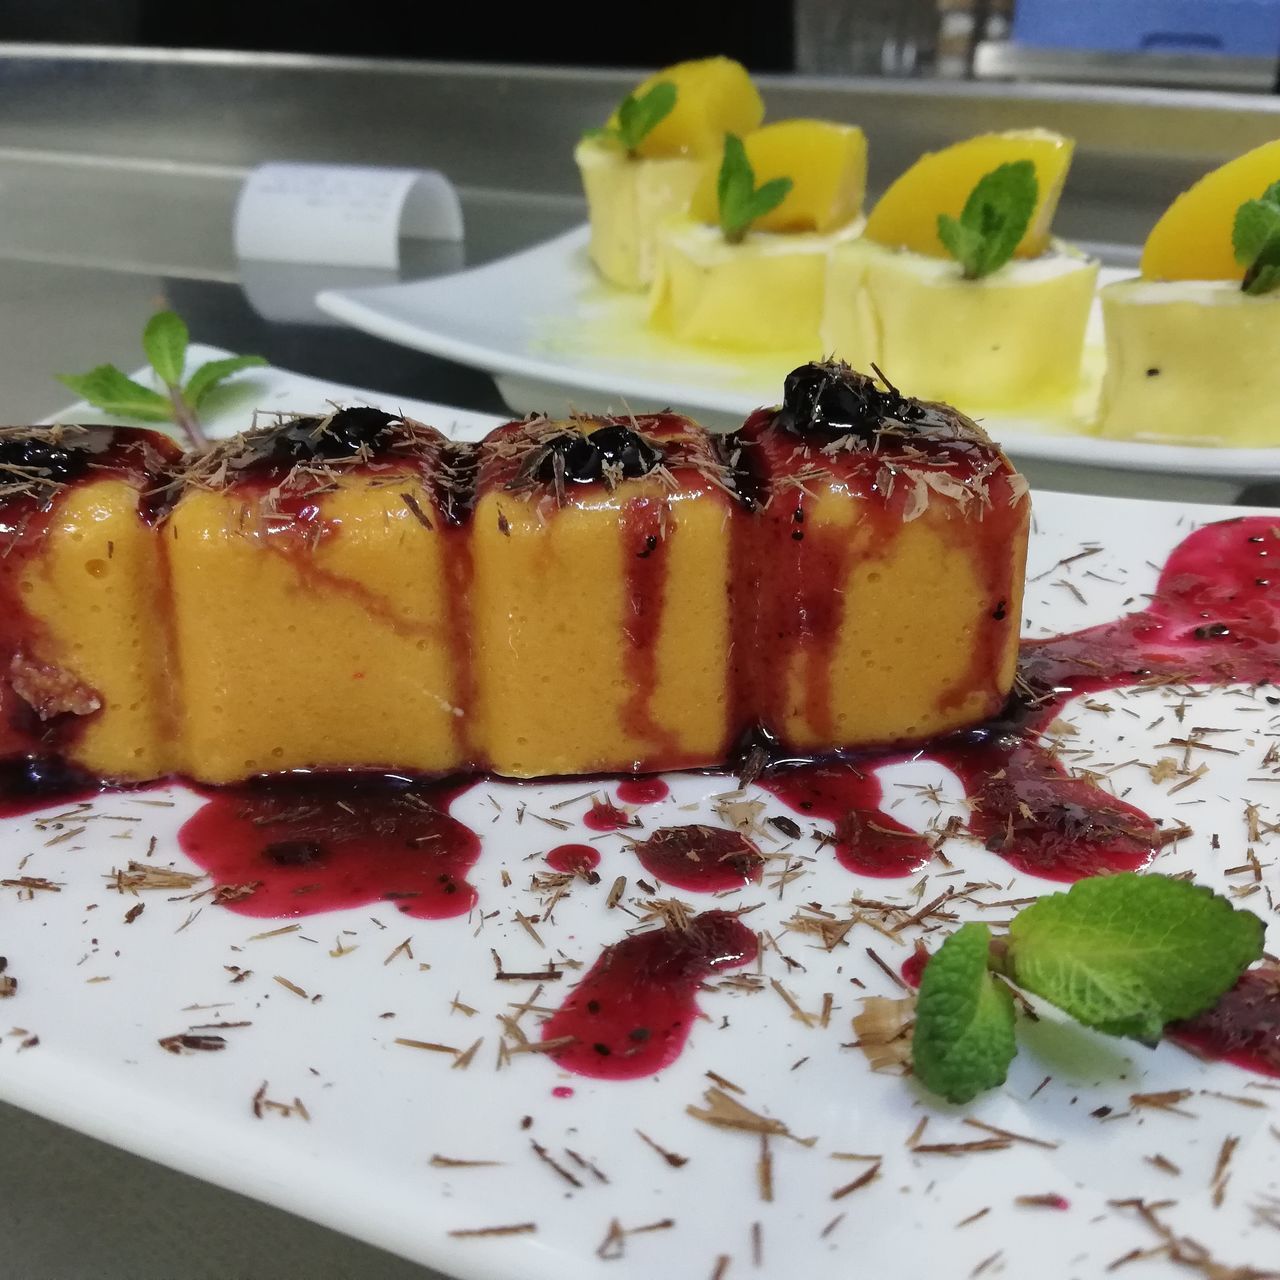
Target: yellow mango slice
point(1192, 240)
point(714, 96)
point(906, 216)
point(827, 165)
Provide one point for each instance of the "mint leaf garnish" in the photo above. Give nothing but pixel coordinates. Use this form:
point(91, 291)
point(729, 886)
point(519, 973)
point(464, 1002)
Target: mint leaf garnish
point(213, 372)
point(1123, 954)
point(117, 393)
point(637, 117)
point(165, 341)
point(1255, 238)
point(963, 1040)
point(741, 201)
point(994, 219)
point(1126, 954)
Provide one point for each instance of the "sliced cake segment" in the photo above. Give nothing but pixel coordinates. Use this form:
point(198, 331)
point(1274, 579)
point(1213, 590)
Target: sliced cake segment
point(320, 585)
point(877, 592)
point(601, 596)
point(84, 655)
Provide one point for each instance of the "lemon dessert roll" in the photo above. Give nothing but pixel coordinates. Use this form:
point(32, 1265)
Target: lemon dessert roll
point(1191, 344)
point(957, 289)
point(644, 165)
point(747, 267)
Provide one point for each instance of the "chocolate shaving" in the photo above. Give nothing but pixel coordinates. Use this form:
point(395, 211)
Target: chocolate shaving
point(675, 1161)
point(725, 1112)
point(186, 1042)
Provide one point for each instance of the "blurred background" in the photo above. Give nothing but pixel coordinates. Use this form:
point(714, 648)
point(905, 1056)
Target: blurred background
point(1228, 44)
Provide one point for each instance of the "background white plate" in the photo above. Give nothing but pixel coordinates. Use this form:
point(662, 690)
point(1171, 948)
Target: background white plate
point(553, 334)
point(99, 994)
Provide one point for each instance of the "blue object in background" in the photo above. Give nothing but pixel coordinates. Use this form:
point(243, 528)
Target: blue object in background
point(1239, 28)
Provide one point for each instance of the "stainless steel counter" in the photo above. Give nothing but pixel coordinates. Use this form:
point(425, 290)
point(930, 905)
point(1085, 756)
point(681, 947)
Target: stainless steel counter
point(118, 175)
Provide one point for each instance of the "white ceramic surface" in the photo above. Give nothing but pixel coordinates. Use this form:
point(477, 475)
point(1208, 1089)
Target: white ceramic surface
point(553, 335)
point(99, 993)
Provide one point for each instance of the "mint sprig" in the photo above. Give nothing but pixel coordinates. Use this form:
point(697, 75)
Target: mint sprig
point(963, 1039)
point(164, 340)
point(741, 201)
point(637, 117)
point(1127, 954)
point(994, 219)
point(1255, 238)
point(1124, 954)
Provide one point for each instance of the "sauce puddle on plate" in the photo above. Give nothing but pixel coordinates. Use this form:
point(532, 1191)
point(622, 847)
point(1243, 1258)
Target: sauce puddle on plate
point(296, 845)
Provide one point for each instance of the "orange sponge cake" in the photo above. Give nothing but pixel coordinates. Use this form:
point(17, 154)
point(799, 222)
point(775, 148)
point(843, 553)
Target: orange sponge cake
point(601, 600)
point(591, 595)
point(83, 640)
point(878, 589)
point(319, 600)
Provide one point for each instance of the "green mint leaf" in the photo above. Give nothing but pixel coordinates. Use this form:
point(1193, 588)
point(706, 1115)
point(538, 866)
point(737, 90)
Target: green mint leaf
point(741, 203)
point(994, 219)
point(637, 117)
point(1255, 238)
point(734, 186)
point(210, 374)
point(963, 243)
point(1264, 274)
point(963, 1040)
point(165, 341)
point(1255, 223)
point(768, 197)
point(114, 393)
point(1126, 954)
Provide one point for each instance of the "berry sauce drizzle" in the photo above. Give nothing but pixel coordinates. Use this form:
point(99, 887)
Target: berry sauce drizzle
point(573, 859)
point(631, 1014)
point(29, 785)
point(1214, 619)
point(642, 791)
point(603, 816)
point(700, 859)
point(295, 845)
point(868, 841)
point(913, 966)
point(1242, 1028)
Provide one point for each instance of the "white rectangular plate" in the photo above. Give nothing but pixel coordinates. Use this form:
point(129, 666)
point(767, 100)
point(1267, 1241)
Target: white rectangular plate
point(553, 334)
point(99, 993)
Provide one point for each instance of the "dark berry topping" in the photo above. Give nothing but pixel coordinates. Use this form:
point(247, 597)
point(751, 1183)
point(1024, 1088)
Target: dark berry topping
point(52, 459)
point(608, 452)
point(310, 439)
point(832, 399)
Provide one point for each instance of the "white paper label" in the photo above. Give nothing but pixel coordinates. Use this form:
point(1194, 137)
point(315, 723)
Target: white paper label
point(342, 215)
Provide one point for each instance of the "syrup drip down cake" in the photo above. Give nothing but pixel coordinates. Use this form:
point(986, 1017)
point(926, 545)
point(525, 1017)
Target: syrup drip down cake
point(357, 591)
